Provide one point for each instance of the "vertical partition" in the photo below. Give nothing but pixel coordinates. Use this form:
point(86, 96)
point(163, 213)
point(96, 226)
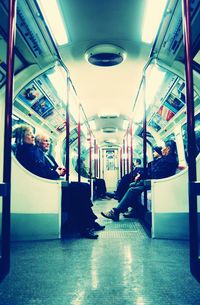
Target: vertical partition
point(6, 185)
point(194, 186)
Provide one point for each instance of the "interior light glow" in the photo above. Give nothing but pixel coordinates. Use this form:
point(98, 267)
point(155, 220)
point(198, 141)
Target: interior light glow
point(73, 109)
point(105, 114)
point(124, 156)
point(96, 156)
point(84, 130)
point(152, 19)
point(125, 124)
point(59, 80)
point(92, 125)
point(112, 140)
point(54, 20)
point(138, 112)
point(154, 79)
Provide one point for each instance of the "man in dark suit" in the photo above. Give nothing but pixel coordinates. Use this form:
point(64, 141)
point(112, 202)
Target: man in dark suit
point(78, 194)
point(47, 165)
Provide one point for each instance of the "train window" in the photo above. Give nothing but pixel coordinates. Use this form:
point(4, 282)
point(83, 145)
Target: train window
point(197, 135)
point(17, 121)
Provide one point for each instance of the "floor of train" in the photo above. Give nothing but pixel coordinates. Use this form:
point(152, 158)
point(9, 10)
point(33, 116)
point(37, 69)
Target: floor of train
point(124, 266)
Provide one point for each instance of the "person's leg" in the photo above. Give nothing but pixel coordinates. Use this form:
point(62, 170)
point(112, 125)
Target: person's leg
point(128, 200)
point(80, 209)
point(102, 184)
point(100, 188)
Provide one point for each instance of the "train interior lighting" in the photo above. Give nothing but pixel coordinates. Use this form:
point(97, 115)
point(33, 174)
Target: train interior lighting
point(110, 91)
point(53, 17)
point(152, 19)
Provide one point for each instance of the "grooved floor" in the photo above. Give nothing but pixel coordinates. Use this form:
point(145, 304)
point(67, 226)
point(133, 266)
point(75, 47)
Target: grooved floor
point(123, 267)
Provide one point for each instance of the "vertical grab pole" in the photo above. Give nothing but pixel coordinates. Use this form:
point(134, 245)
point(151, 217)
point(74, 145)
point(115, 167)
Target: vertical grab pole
point(79, 144)
point(192, 176)
point(7, 142)
point(144, 141)
point(131, 146)
point(121, 163)
point(90, 156)
point(144, 129)
point(127, 150)
point(99, 162)
point(123, 156)
point(67, 131)
point(95, 160)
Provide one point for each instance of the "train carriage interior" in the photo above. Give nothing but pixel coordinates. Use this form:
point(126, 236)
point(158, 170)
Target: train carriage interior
point(103, 83)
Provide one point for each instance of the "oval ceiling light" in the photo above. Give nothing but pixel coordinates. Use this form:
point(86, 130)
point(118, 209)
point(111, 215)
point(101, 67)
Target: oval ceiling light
point(105, 55)
point(109, 129)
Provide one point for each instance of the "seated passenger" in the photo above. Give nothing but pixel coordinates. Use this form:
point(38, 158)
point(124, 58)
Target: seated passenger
point(161, 168)
point(24, 147)
point(98, 184)
point(100, 189)
point(157, 153)
point(80, 209)
point(34, 158)
point(83, 171)
point(47, 165)
point(125, 181)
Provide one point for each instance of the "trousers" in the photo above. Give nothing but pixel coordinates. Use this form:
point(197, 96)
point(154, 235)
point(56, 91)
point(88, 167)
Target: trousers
point(130, 198)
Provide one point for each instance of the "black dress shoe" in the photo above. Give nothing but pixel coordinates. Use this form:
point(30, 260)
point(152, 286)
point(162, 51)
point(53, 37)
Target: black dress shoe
point(89, 233)
point(98, 227)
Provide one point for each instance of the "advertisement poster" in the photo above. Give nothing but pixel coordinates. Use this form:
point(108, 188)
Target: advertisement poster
point(165, 113)
point(43, 107)
point(173, 103)
point(30, 94)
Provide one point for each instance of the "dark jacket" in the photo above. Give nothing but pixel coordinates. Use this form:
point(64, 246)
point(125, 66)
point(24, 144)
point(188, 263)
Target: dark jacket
point(137, 170)
point(46, 165)
point(26, 154)
point(34, 160)
point(164, 167)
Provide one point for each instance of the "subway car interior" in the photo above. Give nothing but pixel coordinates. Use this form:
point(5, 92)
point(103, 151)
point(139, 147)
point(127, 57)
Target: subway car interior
point(88, 88)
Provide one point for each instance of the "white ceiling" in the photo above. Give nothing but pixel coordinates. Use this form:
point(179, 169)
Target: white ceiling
point(105, 90)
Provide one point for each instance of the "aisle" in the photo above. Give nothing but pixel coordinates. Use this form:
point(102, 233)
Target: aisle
point(123, 266)
point(125, 228)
